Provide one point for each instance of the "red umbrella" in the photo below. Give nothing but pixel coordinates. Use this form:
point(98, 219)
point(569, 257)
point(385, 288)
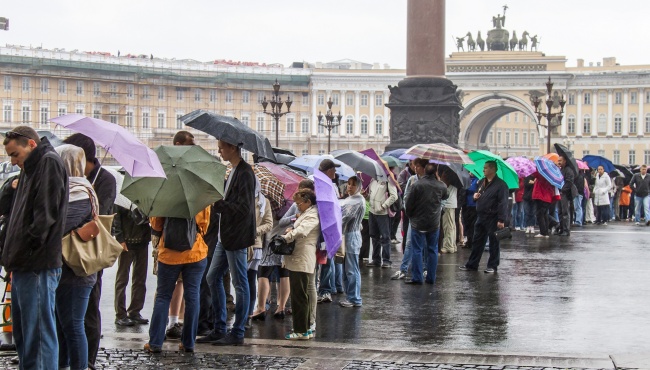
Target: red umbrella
point(289, 178)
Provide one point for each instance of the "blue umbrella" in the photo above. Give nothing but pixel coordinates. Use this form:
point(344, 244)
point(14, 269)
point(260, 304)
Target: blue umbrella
point(594, 161)
point(550, 171)
point(310, 163)
point(395, 153)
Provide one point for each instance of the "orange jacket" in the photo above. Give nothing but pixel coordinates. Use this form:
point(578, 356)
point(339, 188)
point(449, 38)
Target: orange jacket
point(625, 196)
point(199, 250)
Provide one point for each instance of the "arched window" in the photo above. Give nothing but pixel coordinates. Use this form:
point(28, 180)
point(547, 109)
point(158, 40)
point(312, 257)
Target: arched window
point(364, 125)
point(379, 126)
point(349, 125)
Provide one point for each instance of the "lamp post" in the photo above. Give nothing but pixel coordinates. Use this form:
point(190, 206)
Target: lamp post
point(551, 103)
point(329, 122)
point(276, 109)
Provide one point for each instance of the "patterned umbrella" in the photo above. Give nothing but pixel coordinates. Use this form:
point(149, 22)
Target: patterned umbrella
point(290, 178)
point(550, 171)
point(524, 166)
point(272, 188)
point(439, 152)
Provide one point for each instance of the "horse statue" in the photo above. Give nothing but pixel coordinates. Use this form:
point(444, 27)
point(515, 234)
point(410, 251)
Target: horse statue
point(513, 40)
point(533, 43)
point(471, 45)
point(480, 42)
point(523, 42)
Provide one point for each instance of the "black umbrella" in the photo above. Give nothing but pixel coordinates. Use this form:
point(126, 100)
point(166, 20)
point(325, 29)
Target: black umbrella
point(53, 139)
point(230, 130)
point(283, 151)
point(565, 152)
point(456, 174)
point(625, 172)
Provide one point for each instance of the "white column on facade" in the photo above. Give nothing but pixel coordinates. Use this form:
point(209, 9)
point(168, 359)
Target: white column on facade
point(594, 113)
point(640, 123)
point(626, 128)
point(610, 112)
point(371, 119)
point(579, 113)
point(314, 113)
point(357, 117)
point(386, 114)
point(342, 101)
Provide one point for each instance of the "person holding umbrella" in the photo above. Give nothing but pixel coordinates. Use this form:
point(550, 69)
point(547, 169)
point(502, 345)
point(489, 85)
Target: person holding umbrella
point(567, 193)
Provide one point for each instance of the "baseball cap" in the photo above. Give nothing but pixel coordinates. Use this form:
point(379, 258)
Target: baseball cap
point(327, 164)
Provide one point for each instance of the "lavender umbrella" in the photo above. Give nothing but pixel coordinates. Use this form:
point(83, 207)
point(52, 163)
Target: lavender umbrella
point(329, 211)
point(136, 158)
point(522, 165)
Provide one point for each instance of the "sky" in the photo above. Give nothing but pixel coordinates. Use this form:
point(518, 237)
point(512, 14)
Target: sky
point(372, 31)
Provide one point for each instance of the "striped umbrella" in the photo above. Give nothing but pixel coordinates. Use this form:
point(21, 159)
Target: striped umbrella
point(550, 171)
point(439, 152)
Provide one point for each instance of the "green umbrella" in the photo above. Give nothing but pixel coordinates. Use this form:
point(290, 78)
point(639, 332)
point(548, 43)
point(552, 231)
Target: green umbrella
point(195, 179)
point(504, 170)
point(392, 162)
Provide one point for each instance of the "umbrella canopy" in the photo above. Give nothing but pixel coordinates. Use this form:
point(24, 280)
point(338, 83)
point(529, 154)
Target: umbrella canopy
point(524, 166)
point(626, 173)
point(457, 175)
point(550, 171)
point(595, 160)
point(564, 151)
point(289, 178)
point(582, 165)
point(136, 158)
point(370, 152)
point(120, 199)
point(407, 157)
point(504, 170)
point(310, 163)
point(329, 212)
point(361, 162)
point(391, 161)
point(439, 152)
point(195, 179)
point(394, 153)
point(230, 130)
point(272, 188)
point(554, 157)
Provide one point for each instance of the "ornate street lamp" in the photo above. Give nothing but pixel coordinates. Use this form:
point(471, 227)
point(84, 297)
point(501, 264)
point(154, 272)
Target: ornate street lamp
point(329, 122)
point(551, 103)
point(276, 109)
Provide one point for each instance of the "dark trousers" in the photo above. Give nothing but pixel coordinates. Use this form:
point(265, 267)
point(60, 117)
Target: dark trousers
point(542, 216)
point(484, 228)
point(469, 219)
point(603, 214)
point(624, 212)
point(252, 289)
point(565, 211)
point(93, 321)
point(405, 229)
point(300, 304)
point(379, 233)
point(205, 301)
point(365, 241)
point(139, 259)
point(394, 225)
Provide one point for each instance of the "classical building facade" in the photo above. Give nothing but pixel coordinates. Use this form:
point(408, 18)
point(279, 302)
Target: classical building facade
point(607, 111)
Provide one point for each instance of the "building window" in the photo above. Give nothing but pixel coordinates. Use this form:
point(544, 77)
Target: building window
point(571, 124)
point(6, 113)
point(516, 138)
point(601, 152)
point(260, 124)
point(602, 98)
point(113, 89)
point(45, 115)
point(7, 83)
point(26, 114)
point(179, 94)
point(304, 125)
point(97, 114)
point(161, 93)
point(305, 99)
point(618, 98)
point(335, 129)
point(80, 109)
point(507, 138)
point(618, 124)
point(364, 100)
point(585, 152)
point(379, 126)
point(498, 137)
point(80, 87)
point(321, 129)
point(229, 97)
point(647, 123)
point(631, 158)
point(647, 96)
point(349, 99)
point(321, 99)
point(145, 120)
point(62, 111)
point(335, 99)
point(304, 152)
point(602, 123)
point(179, 123)
point(364, 125)
point(146, 93)
point(63, 87)
point(516, 117)
point(379, 100)
point(130, 91)
point(290, 125)
point(129, 119)
point(508, 117)
point(161, 120)
point(646, 156)
point(321, 151)
point(633, 122)
point(572, 99)
point(490, 138)
point(197, 95)
point(246, 121)
point(633, 97)
point(587, 98)
point(260, 98)
point(616, 158)
point(524, 138)
point(112, 117)
point(586, 124)
point(25, 84)
point(533, 141)
point(45, 85)
point(246, 97)
point(349, 125)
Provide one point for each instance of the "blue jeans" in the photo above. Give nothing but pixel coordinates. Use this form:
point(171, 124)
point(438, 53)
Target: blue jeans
point(352, 273)
point(338, 276)
point(379, 226)
point(577, 205)
point(167, 277)
point(638, 203)
point(518, 214)
point(408, 252)
point(327, 278)
point(236, 260)
point(71, 304)
point(529, 213)
point(421, 241)
point(34, 321)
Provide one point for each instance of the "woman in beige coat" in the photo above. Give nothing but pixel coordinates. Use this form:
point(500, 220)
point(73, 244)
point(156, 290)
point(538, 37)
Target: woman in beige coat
point(301, 262)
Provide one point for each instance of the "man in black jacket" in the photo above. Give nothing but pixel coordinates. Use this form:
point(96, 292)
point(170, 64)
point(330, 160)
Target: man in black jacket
point(106, 188)
point(640, 184)
point(32, 250)
point(492, 213)
point(566, 196)
point(423, 206)
point(236, 233)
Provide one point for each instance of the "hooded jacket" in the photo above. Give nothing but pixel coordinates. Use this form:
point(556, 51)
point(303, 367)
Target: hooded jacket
point(38, 213)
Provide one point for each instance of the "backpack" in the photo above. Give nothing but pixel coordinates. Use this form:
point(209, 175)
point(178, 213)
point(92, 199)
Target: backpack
point(180, 233)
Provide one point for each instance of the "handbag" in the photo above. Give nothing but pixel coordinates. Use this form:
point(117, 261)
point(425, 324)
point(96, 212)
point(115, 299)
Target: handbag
point(91, 248)
point(504, 233)
point(279, 245)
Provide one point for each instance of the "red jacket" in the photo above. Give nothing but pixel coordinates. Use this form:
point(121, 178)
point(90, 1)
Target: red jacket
point(519, 194)
point(543, 190)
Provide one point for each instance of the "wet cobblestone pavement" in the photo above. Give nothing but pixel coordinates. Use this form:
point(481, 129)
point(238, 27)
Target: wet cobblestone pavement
point(376, 365)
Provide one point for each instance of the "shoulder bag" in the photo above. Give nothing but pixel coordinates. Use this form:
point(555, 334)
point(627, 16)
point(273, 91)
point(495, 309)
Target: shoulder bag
point(279, 245)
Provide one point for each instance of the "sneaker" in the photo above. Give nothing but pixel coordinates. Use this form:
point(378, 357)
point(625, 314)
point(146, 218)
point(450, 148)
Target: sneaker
point(637, 223)
point(324, 298)
point(373, 264)
point(465, 268)
point(174, 331)
point(386, 265)
point(490, 270)
point(540, 236)
point(347, 303)
point(297, 336)
point(604, 224)
point(394, 241)
point(229, 340)
point(399, 275)
point(311, 333)
point(138, 319)
point(211, 337)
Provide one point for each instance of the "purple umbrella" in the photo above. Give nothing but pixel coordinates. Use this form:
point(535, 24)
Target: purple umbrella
point(136, 158)
point(522, 165)
point(329, 212)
